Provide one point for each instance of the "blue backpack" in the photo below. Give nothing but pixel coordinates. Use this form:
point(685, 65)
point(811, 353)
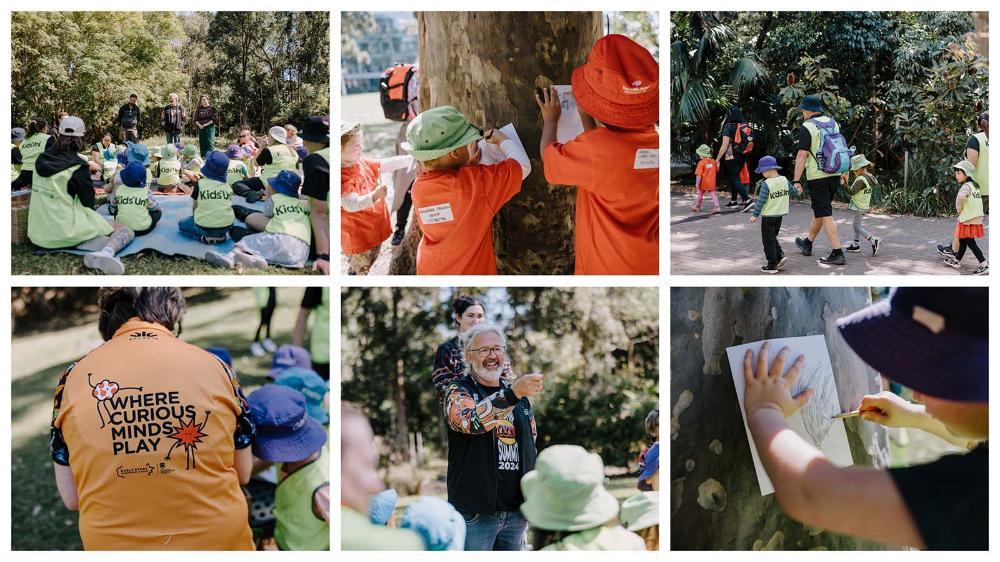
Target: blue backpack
point(833, 156)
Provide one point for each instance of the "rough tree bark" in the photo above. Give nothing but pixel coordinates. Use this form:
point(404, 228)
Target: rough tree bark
point(488, 64)
point(715, 499)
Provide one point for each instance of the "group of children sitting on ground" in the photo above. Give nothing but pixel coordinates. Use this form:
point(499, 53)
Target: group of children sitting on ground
point(131, 174)
point(614, 164)
point(291, 451)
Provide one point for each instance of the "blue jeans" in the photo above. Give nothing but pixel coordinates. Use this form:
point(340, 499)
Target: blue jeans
point(188, 228)
point(173, 138)
point(503, 530)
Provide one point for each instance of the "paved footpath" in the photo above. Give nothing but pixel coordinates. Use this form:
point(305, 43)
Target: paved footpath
point(728, 244)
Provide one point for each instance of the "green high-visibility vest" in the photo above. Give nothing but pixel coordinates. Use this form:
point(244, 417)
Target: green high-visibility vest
point(31, 147)
point(109, 167)
point(296, 525)
point(324, 153)
point(133, 207)
point(777, 197)
point(58, 220)
point(215, 201)
point(813, 171)
point(291, 216)
point(170, 172)
point(15, 169)
point(862, 198)
point(982, 174)
point(283, 157)
point(260, 296)
point(973, 206)
point(237, 171)
point(319, 341)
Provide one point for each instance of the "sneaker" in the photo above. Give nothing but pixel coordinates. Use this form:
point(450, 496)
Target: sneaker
point(220, 259)
point(397, 237)
point(212, 240)
point(805, 246)
point(945, 250)
point(732, 204)
point(250, 261)
point(269, 345)
point(835, 258)
point(781, 262)
point(876, 244)
point(952, 262)
point(768, 269)
point(256, 349)
point(984, 269)
point(747, 205)
point(855, 247)
point(105, 262)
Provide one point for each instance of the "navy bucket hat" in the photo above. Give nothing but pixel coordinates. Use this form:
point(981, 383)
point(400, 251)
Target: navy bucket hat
point(812, 102)
point(933, 340)
point(285, 431)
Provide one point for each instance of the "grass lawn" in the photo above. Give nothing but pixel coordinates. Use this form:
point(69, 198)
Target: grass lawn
point(39, 520)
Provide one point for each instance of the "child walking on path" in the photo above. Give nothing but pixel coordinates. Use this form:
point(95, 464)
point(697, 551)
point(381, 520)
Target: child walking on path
point(705, 175)
point(969, 205)
point(860, 191)
point(771, 205)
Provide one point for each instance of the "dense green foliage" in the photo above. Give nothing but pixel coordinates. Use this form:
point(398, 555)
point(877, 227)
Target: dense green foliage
point(598, 348)
point(259, 68)
point(905, 86)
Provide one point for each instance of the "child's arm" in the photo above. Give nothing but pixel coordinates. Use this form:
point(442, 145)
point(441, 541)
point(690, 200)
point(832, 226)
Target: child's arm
point(243, 461)
point(352, 202)
point(963, 194)
point(697, 181)
point(510, 150)
point(548, 103)
point(862, 502)
point(890, 410)
point(321, 502)
point(762, 192)
point(393, 163)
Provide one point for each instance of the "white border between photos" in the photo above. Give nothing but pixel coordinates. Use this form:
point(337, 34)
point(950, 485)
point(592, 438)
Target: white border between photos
point(338, 281)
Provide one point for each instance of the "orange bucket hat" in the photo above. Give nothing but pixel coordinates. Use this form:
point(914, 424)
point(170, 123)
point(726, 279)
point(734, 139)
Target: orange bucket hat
point(619, 84)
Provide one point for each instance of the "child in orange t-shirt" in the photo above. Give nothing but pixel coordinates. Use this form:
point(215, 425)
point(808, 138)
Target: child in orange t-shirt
point(614, 163)
point(364, 215)
point(455, 196)
point(705, 178)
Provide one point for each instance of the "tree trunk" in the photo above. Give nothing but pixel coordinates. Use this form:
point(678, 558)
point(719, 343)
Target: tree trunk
point(715, 499)
point(402, 426)
point(488, 65)
point(981, 35)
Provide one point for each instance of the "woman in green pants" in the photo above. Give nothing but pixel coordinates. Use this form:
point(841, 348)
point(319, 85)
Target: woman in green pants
point(206, 117)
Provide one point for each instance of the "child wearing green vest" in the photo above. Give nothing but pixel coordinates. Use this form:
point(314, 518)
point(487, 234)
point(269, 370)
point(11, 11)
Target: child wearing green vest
point(771, 205)
point(282, 233)
point(191, 163)
point(237, 167)
point(167, 171)
point(37, 140)
point(288, 436)
point(860, 192)
point(212, 215)
point(969, 204)
point(16, 138)
point(272, 159)
point(133, 206)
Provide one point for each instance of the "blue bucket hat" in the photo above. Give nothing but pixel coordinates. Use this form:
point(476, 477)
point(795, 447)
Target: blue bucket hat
point(17, 134)
point(934, 340)
point(289, 356)
point(311, 385)
point(767, 163)
point(652, 462)
point(216, 166)
point(134, 175)
point(286, 183)
point(223, 355)
point(285, 432)
point(137, 152)
point(233, 151)
point(381, 506)
point(437, 522)
point(812, 102)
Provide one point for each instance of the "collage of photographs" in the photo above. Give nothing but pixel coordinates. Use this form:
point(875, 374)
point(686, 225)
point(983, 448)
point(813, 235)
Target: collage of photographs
point(506, 320)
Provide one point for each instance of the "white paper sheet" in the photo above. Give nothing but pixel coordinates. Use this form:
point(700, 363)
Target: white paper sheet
point(491, 153)
point(569, 126)
point(813, 422)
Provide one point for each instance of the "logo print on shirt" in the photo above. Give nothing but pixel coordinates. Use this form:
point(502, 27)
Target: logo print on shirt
point(105, 390)
point(508, 453)
point(142, 334)
point(188, 435)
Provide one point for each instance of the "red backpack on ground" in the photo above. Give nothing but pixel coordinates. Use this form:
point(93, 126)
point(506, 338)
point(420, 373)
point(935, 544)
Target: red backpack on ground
point(394, 87)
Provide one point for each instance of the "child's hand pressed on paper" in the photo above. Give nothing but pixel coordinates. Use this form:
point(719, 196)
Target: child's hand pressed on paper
point(548, 102)
point(887, 409)
point(772, 388)
point(494, 136)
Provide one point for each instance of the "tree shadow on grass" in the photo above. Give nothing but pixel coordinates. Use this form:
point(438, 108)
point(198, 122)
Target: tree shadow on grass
point(39, 520)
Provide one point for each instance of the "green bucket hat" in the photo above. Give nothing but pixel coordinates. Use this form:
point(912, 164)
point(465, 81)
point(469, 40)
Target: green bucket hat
point(438, 131)
point(566, 491)
point(189, 151)
point(641, 511)
point(704, 151)
point(966, 167)
point(155, 152)
point(859, 161)
point(169, 152)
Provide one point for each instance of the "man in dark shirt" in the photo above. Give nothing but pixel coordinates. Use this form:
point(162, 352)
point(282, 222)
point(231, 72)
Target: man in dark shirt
point(316, 185)
point(491, 443)
point(128, 119)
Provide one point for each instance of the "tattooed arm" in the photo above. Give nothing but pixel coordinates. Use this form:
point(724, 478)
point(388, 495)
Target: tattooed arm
point(465, 415)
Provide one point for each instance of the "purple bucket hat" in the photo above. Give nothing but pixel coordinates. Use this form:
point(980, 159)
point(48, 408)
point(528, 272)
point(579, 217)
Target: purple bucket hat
point(285, 432)
point(934, 340)
point(289, 356)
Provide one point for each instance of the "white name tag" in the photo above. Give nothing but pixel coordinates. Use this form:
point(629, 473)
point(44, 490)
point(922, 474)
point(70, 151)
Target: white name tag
point(436, 214)
point(646, 158)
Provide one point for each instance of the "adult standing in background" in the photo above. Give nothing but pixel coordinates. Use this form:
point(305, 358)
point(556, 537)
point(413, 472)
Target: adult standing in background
point(173, 119)
point(316, 185)
point(977, 151)
point(128, 119)
point(734, 159)
point(206, 117)
point(315, 301)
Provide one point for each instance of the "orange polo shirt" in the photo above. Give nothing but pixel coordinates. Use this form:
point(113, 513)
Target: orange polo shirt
point(617, 177)
point(363, 230)
point(149, 421)
point(455, 209)
point(708, 169)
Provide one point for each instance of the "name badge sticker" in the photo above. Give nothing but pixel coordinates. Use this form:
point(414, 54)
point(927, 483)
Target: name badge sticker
point(436, 213)
point(646, 158)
